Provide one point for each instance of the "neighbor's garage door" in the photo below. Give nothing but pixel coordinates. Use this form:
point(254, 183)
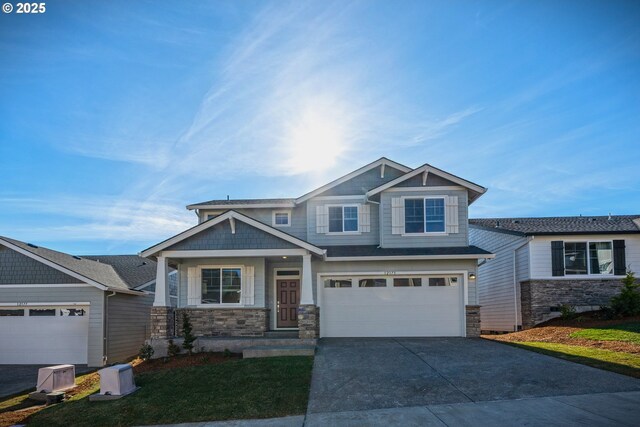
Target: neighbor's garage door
point(407, 306)
point(52, 334)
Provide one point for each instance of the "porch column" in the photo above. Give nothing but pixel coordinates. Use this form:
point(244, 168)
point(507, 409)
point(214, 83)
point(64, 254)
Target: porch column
point(162, 283)
point(306, 288)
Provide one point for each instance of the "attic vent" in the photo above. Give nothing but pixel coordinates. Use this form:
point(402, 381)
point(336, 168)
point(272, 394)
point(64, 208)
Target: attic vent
point(497, 224)
point(76, 257)
point(592, 219)
point(32, 245)
point(515, 221)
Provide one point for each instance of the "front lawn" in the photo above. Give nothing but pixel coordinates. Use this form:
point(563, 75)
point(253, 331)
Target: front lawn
point(234, 389)
point(628, 332)
point(622, 363)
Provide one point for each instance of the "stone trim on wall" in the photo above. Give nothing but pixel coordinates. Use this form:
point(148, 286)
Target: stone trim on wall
point(538, 297)
point(225, 322)
point(472, 320)
point(162, 322)
point(308, 321)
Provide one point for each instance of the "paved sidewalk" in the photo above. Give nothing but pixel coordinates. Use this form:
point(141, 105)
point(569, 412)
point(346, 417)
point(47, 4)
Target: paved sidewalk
point(606, 409)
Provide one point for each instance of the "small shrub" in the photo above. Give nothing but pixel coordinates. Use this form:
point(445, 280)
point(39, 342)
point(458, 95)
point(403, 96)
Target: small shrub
point(627, 303)
point(607, 313)
point(567, 312)
point(227, 353)
point(187, 334)
point(146, 351)
point(173, 349)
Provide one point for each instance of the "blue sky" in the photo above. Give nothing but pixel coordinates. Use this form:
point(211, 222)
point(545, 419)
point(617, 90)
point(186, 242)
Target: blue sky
point(115, 115)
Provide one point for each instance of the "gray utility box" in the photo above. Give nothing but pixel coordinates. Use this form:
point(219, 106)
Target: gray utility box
point(56, 378)
point(115, 382)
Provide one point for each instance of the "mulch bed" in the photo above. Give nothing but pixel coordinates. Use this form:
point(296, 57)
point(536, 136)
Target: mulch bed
point(559, 331)
point(181, 361)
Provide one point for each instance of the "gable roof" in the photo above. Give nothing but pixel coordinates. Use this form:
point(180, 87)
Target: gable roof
point(244, 203)
point(381, 161)
point(133, 269)
point(100, 275)
point(230, 215)
point(614, 224)
point(476, 190)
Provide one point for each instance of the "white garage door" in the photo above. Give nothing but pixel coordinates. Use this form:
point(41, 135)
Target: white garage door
point(51, 334)
point(396, 306)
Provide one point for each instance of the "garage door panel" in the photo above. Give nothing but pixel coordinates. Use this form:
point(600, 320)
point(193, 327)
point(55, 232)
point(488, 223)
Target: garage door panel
point(392, 311)
point(44, 340)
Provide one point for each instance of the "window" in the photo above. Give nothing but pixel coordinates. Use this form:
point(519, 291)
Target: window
point(424, 215)
point(221, 285)
point(281, 219)
point(337, 283)
point(588, 258)
point(42, 312)
point(343, 219)
point(75, 312)
point(372, 283)
point(407, 281)
point(443, 281)
point(12, 312)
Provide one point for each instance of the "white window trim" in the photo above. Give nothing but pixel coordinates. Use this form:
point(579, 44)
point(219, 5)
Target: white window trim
point(425, 233)
point(346, 205)
point(219, 305)
point(589, 274)
point(273, 218)
point(277, 277)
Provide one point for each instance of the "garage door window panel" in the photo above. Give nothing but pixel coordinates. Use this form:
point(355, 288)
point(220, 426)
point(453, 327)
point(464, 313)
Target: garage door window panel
point(372, 283)
point(402, 282)
point(10, 312)
point(337, 283)
point(42, 312)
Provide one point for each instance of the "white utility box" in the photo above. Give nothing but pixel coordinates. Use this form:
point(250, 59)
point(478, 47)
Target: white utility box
point(117, 380)
point(56, 378)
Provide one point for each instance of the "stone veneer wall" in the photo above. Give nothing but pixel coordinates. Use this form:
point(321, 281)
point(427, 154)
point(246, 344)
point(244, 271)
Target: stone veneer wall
point(162, 322)
point(225, 322)
point(473, 320)
point(308, 321)
point(539, 296)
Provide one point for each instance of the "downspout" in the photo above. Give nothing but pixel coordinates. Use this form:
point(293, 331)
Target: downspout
point(105, 340)
point(515, 283)
point(366, 200)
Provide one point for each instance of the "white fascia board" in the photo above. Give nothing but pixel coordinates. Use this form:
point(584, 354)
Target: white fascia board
point(152, 281)
point(54, 265)
point(225, 216)
point(429, 169)
point(245, 206)
point(353, 174)
point(47, 285)
point(234, 253)
point(409, 257)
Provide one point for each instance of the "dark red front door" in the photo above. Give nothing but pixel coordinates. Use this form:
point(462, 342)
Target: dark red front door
point(288, 299)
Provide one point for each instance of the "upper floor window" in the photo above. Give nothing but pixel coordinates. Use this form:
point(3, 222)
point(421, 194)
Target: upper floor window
point(343, 219)
point(588, 258)
point(281, 218)
point(424, 215)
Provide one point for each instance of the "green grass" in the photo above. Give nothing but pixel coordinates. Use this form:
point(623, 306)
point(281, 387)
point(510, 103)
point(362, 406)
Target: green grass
point(629, 332)
point(250, 388)
point(622, 363)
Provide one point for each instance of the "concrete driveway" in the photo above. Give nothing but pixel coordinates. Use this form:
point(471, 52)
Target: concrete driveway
point(17, 378)
point(369, 374)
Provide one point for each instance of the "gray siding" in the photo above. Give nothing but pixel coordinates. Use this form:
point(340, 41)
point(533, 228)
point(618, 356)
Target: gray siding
point(128, 319)
point(18, 269)
point(370, 238)
point(220, 237)
point(498, 290)
point(90, 294)
point(383, 266)
point(432, 181)
point(364, 182)
point(259, 282)
point(298, 227)
point(390, 240)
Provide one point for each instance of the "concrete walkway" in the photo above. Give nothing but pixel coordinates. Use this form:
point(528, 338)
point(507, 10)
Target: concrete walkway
point(606, 409)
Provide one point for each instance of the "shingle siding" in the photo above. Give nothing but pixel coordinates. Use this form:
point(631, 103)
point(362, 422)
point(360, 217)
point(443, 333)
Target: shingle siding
point(432, 181)
point(17, 269)
point(364, 182)
point(88, 294)
point(127, 325)
point(220, 237)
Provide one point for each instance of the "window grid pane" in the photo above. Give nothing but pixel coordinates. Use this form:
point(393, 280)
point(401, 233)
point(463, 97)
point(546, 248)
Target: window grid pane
point(335, 219)
point(575, 258)
point(350, 218)
point(282, 219)
point(231, 285)
point(434, 209)
point(413, 216)
point(210, 286)
point(600, 258)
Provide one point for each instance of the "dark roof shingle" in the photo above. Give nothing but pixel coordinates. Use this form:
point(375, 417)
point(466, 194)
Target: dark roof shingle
point(614, 224)
point(225, 202)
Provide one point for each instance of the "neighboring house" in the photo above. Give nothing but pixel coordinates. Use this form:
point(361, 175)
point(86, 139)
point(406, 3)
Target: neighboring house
point(542, 264)
point(58, 308)
point(380, 252)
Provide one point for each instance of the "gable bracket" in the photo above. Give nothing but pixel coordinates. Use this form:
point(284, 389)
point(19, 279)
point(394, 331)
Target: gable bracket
point(425, 174)
point(232, 223)
point(382, 170)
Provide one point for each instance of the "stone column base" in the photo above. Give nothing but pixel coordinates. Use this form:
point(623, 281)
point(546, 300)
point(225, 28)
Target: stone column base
point(308, 321)
point(473, 321)
point(162, 322)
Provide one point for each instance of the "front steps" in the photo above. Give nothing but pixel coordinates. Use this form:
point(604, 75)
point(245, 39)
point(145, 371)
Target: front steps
point(277, 351)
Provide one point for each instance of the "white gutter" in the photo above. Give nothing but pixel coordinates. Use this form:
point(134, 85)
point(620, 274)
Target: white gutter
point(515, 282)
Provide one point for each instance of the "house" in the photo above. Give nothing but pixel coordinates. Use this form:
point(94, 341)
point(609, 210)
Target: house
point(542, 264)
point(380, 252)
point(58, 308)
